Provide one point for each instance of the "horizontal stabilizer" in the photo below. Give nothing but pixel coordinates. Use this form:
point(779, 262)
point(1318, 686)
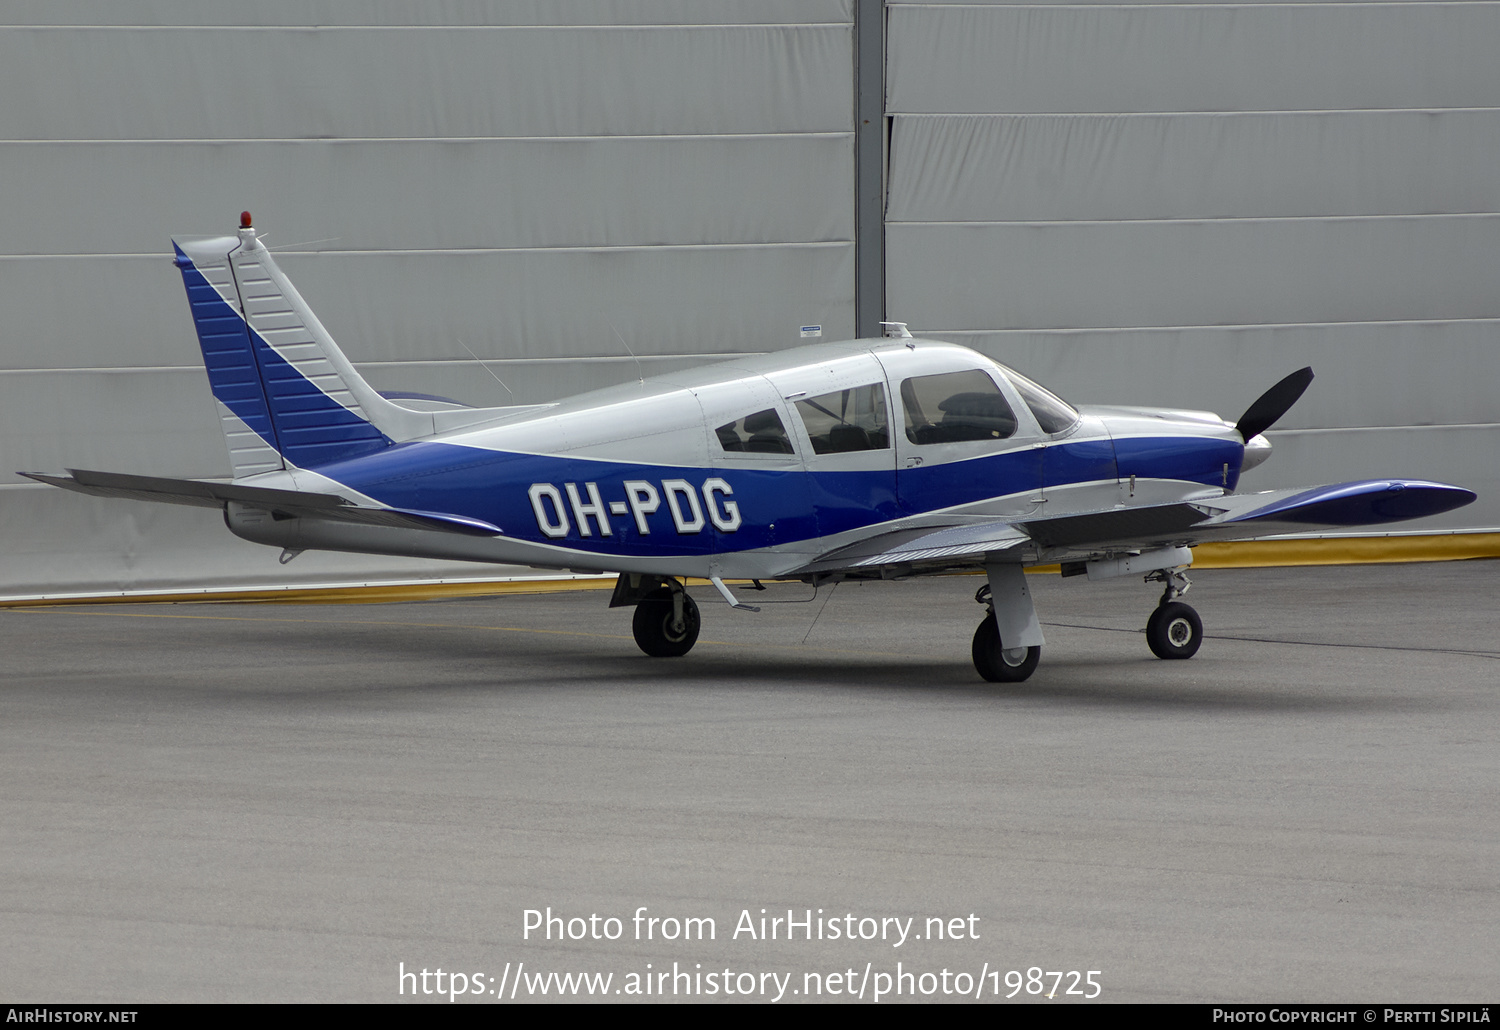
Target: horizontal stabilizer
point(289, 503)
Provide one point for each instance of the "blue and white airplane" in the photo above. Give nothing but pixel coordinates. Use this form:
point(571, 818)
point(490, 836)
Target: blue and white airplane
point(871, 459)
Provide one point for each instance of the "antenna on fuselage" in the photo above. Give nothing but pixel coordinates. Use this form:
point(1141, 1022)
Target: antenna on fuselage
point(487, 368)
point(896, 330)
point(640, 373)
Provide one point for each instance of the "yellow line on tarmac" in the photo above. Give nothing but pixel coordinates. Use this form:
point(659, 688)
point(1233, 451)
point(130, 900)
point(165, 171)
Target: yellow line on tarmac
point(1352, 550)
point(1247, 554)
point(335, 595)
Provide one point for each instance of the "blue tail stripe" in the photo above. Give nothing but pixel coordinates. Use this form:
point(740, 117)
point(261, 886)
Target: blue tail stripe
point(267, 393)
point(224, 339)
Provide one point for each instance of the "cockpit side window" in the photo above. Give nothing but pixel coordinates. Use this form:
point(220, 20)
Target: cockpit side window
point(847, 420)
point(1052, 413)
point(955, 406)
point(760, 433)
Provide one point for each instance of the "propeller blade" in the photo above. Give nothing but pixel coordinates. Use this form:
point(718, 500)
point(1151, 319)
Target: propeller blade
point(1274, 403)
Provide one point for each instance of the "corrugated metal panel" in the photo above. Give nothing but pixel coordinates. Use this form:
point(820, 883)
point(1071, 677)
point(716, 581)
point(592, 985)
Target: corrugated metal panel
point(1165, 273)
point(527, 193)
point(274, 83)
point(1176, 204)
point(427, 12)
point(541, 303)
point(154, 422)
point(1080, 167)
point(111, 198)
point(1217, 57)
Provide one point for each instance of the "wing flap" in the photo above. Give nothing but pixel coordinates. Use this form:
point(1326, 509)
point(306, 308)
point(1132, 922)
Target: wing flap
point(926, 547)
point(1145, 525)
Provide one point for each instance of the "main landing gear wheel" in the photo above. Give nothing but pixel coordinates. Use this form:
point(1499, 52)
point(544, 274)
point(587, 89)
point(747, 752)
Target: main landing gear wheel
point(658, 631)
point(1174, 631)
point(997, 663)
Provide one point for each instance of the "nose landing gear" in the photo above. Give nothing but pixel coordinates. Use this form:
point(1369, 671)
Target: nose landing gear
point(1174, 629)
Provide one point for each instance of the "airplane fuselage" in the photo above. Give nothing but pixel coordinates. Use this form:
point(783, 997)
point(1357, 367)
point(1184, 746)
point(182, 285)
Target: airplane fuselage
point(744, 469)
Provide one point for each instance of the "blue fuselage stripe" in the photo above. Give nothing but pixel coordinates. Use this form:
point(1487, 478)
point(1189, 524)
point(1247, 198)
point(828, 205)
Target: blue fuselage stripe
point(775, 507)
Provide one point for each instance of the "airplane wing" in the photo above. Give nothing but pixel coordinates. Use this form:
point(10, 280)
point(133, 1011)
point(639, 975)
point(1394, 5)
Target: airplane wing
point(926, 549)
point(1122, 529)
point(293, 503)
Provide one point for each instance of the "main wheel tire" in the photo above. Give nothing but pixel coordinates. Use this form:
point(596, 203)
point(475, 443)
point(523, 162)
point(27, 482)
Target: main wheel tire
point(999, 664)
point(1174, 631)
point(653, 629)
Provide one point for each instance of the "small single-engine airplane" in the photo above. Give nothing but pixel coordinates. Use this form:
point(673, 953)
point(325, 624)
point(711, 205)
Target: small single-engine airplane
point(871, 459)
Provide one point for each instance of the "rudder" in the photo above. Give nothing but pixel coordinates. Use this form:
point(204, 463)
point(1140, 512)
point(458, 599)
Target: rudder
point(287, 396)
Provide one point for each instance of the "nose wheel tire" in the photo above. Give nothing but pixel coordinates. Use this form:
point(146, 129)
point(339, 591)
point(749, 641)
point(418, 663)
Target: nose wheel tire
point(655, 629)
point(997, 663)
point(1174, 631)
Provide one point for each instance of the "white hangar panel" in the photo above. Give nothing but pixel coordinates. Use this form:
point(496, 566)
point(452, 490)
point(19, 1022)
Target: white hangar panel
point(1214, 165)
point(1182, 273)
point(1178, 57)
point(392, 306)
point(1368, 373)
point(531, 181)
point(154, 422)
point(422, 194)
point(426, 12)
point(93, 311)
point(1177, 204)
point(1116, 3)
point(473, 81)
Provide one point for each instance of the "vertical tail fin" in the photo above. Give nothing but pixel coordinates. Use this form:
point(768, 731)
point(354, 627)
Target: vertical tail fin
point(287, 396)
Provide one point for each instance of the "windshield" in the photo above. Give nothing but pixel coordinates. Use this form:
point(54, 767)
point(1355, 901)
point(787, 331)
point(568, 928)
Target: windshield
point(1052, 413)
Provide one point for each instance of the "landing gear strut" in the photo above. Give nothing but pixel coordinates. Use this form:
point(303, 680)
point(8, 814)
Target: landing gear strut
point(1174, 629)
point(993, 660)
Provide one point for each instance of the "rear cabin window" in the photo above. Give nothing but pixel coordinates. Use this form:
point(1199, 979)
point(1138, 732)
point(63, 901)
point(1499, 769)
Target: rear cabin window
point(847, 420)
point(760, 433)
point(955, 406)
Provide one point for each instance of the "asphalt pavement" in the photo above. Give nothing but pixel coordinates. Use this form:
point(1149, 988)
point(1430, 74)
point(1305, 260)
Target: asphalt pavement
point(278, 802)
